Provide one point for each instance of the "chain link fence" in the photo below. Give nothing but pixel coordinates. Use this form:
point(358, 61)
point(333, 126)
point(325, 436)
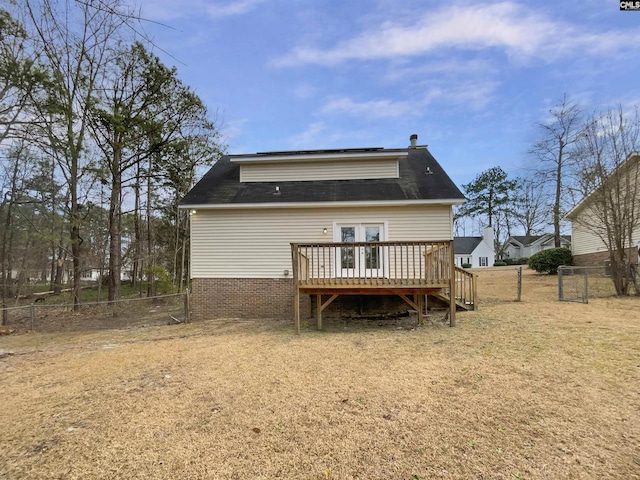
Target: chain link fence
point(499, 284)
point(578, 284)
point(133, 312)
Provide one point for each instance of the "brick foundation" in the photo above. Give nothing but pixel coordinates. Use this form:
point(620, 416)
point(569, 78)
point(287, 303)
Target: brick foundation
point(598, 259)
point(273, 298)
point(244, 298)
point(591, 259)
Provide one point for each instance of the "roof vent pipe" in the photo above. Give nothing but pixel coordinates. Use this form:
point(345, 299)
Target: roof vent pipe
point(414, 140)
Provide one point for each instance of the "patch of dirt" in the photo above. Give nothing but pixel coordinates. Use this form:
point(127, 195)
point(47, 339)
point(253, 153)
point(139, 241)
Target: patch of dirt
point(537, 389)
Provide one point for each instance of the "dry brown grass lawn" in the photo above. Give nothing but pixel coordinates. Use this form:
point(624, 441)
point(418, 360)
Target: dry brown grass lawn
point(535, 390)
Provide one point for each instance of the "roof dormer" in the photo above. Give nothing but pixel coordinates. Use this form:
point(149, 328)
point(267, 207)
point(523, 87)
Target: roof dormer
point(313, 165)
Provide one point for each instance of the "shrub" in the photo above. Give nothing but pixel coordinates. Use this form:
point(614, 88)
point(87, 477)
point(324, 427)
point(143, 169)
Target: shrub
point(548, 261)
point(466, 265)
point(516, 261)
point(160, 279)
point(499, 264)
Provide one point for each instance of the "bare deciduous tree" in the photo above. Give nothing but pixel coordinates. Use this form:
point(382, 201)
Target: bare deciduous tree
point(531, 207)
point(609, 179)
point(553, 151)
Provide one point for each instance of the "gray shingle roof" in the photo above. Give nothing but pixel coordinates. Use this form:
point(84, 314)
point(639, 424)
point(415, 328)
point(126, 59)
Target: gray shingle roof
point(528, 240)
point(465, 245)
point(221, 185)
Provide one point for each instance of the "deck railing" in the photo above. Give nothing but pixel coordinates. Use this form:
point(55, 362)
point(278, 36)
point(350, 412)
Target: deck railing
point(466, 286)
point(373, 264)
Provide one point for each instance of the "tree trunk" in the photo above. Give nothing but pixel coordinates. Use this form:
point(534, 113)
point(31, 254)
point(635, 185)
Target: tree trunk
point(136, 231)
point(57, 282)
point(556, 204)
point(151, 260)
point(75, 219)
point(7, 241)
point(22, 277)
point(76, 241)
point(115, 224)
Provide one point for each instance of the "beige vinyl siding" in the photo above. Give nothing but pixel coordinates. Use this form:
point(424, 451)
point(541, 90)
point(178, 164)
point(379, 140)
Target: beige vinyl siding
point(326, 170)
point(256, 243)
point(583, 241)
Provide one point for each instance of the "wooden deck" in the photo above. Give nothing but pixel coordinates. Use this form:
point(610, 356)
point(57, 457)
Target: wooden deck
point(410, 270)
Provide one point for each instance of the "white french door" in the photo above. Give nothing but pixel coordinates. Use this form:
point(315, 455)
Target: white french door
point(360, 261)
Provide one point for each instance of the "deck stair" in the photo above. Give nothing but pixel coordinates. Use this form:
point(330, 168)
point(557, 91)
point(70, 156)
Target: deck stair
point(466, 290)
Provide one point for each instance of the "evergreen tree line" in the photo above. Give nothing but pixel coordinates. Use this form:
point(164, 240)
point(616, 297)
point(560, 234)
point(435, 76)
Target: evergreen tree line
point(99, 140)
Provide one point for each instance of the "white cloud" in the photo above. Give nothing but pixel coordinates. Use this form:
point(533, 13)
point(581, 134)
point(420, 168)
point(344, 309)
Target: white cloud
point(304, 91)
point(517, 30)
point(471, 95)
point(227, 9)
point(441, 68)
point(320, 135)
point(233, 129)
point(164, 10)
point(370, 109)
point(310, 136)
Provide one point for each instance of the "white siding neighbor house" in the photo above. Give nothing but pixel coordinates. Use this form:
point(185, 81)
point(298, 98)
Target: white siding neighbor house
point(475, 251)
point(526, 245)
point(269, 231)
point(587, 245)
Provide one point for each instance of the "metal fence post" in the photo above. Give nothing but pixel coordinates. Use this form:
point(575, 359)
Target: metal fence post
point(519, 298)
point(586, 286)
point(32, 315)
point(560, 291)
point(186, 306)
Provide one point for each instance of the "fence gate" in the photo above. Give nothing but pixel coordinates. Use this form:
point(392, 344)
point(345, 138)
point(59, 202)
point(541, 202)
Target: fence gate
point(578, 284)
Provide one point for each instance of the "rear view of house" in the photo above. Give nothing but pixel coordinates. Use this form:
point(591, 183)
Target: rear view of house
point(271, 230)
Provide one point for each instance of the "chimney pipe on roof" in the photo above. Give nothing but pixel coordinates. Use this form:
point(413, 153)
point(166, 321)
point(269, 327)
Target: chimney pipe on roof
point(414, 140)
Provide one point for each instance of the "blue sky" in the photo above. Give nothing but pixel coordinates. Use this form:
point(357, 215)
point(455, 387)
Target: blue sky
point(470, 78)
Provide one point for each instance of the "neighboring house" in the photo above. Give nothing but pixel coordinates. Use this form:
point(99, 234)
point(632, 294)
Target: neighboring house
point(269, 230)
point(526, 245)
point(587, 248)
point(475, 251)
point(94, 274)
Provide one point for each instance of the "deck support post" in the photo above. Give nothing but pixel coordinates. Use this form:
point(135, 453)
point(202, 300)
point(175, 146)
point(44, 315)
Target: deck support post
point(452, 286)
point(321, 306)
point(296, 287)
point(420, 302)
point(415, 304)
point(296, 308)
